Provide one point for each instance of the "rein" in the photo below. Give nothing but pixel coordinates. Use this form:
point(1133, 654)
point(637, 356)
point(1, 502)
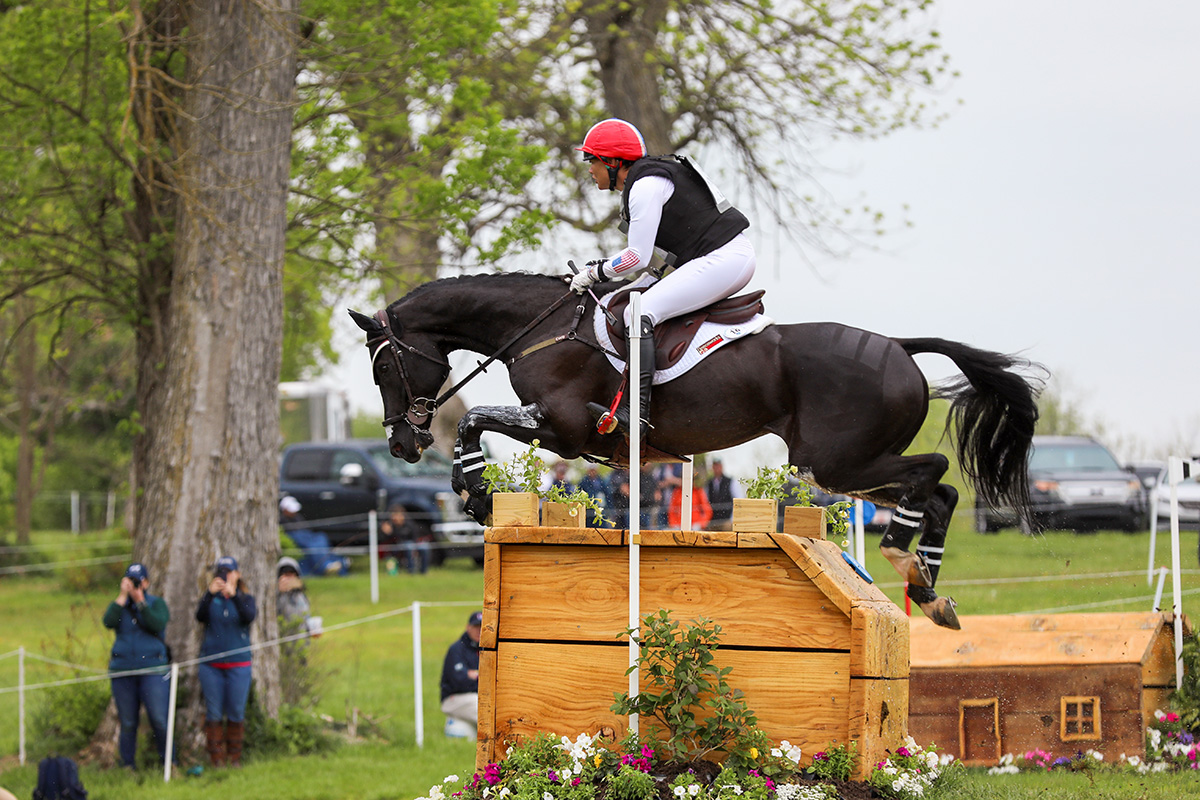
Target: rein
point(425, 408)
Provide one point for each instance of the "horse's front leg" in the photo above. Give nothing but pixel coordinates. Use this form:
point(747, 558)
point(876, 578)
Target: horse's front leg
point(523, 423)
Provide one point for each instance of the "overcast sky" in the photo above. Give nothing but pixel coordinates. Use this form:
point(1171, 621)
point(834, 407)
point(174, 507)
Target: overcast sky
point(1056, 213)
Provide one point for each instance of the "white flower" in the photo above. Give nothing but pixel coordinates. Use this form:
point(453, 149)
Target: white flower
point(694, 789)
point(487, 791)
point(547, 796)
point(776, 752)
point(1007, 769)
point(576, 768)
point(1159, 715)
point(436, 793)
point(680, 791)
point(450, 779)
point(505, 791)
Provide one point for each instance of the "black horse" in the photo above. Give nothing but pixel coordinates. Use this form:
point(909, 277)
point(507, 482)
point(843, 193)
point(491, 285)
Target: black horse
point(847, 402)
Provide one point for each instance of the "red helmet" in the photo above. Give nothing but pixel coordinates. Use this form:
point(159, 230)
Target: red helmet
point(614, 138)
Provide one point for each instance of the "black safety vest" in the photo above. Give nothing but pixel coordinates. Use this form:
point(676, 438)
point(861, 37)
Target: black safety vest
point(691, 224)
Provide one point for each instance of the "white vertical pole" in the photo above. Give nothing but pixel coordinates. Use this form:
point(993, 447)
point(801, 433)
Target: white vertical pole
point(635, 492)
point(685, 497)
point(860, 534)
point(418, 676)
point(21, 704)
point(74, 512)
point(1175, 470)
point(1162, 579)
point(110, 511)
point(171, 724)
point(1153, 534)
point(373, 545)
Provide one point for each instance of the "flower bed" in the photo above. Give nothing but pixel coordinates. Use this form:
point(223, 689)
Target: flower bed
point(589, 769)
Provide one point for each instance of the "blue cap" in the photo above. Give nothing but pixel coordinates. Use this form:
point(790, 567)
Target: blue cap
point(225, 564)
point(137, 573)
point(476, 618)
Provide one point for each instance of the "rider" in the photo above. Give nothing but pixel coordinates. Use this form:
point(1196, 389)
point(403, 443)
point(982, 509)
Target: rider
point(667, 203)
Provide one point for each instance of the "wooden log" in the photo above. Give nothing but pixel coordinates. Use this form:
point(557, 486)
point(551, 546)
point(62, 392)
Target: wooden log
point(878, 710)
point(485, 744)
point(878, 641)
point(755, 515)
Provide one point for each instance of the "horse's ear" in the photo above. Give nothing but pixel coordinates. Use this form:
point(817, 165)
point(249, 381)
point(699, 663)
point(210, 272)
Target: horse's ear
point(368, 324)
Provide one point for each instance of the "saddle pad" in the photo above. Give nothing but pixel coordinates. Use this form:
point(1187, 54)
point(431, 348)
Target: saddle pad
point(709, 338)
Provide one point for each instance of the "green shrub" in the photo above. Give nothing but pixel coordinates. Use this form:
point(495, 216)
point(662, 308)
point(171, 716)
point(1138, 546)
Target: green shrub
point(296, 732)
point(64, 718)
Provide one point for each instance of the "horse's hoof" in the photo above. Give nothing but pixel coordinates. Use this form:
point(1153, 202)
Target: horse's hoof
point(911, 566)
point(941, 612)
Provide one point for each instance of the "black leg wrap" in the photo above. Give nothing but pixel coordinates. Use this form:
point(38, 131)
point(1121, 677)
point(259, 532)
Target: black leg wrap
point(921, 594)
point(931, 547)
point(905, 524)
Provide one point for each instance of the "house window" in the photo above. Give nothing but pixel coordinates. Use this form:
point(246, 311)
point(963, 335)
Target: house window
point(1080, 718)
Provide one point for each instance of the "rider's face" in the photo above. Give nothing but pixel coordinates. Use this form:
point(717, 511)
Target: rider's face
point(599, 172)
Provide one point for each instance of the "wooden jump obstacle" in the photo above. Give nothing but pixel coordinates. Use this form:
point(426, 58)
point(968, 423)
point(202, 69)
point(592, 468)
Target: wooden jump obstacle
point(820, 654)
point(1060, 683)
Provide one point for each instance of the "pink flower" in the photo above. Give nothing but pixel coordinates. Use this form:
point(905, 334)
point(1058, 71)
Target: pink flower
point(491, 773)
point(1171, 717)
point(575, 781)
point(902, 751)
point(649, 753)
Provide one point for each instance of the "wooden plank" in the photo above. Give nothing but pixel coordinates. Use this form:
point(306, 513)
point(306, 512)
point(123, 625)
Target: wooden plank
point(759, 597)
point(756, 540)
point(565, 690)
point(973, 647)
point(822, 562)
point(689, 539)
point(563, 515)
point(878, 719)
point(485, 747)
point(878, 641)
point(1158, 663)
point(491, 596)
point(560, 536)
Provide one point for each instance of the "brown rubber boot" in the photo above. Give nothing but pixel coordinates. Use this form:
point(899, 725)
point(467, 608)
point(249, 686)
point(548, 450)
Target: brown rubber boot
point(235, 732)
point(214, 734)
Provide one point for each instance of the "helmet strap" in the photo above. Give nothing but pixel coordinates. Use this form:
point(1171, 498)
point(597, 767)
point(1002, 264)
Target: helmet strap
point(612, 177)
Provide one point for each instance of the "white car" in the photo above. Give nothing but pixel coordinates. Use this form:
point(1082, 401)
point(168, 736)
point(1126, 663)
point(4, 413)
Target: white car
point(1189, 499)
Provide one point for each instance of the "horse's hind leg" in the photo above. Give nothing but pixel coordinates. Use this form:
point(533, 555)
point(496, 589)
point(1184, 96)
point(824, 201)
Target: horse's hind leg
point(930, 549)
point(918, 486)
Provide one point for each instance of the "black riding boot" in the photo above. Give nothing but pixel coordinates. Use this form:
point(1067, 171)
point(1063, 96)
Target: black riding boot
point(645, 383)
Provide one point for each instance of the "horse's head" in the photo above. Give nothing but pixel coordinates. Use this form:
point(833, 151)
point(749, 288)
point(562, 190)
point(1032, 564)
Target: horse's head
point(408, 373)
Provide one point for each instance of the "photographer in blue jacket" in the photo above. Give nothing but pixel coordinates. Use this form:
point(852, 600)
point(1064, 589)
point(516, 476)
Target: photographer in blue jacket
point(226, 611)
point(140, 619)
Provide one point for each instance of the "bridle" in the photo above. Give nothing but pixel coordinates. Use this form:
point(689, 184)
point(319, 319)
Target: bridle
point(421, 410)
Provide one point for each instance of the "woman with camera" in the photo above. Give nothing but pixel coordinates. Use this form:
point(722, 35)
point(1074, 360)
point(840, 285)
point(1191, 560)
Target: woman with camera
point(226, 610)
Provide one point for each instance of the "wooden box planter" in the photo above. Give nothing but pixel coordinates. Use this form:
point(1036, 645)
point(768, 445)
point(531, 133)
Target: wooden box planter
point(821, 655)
point(752, 515)
point(515, 509)
point(563, 515)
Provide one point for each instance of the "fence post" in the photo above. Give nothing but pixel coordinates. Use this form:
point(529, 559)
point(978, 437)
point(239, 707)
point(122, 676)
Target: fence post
point(418, 677)
point(110, 511)
point(75, 528)
point(169, 756)
point(860, 533)
point(373, 556)
point(21, 704)
point(635, 495)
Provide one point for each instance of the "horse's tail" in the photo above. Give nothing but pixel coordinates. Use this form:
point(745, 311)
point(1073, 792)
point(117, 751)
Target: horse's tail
point(993, 407)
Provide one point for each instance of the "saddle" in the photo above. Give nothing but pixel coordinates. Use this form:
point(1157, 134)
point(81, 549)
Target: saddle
point(672, 337)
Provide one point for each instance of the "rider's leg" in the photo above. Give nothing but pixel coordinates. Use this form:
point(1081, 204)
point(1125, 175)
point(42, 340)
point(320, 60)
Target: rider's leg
point(645, 380)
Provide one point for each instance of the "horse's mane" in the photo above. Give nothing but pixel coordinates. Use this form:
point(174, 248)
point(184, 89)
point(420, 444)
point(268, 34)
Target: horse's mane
point(527, 281)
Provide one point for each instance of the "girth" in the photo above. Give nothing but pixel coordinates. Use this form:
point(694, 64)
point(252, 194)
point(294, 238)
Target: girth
point(672, 337)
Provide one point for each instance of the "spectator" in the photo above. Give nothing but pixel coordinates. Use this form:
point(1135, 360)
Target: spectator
point(597, 489)
point(460, 678)
point(669, 478)
point(398, 530)
point(317, 559)
point(618, 493)
point(721, 490)
point(140, 619)
point(226, 611)
point(558, 477)
point(291, 602)
point(701, 510)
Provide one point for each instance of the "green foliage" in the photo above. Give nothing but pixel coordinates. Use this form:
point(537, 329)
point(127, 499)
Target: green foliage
point(524, 472)
point(676, 666)
point(778, 484)
point(1186, 699)
point(64, 718)
point(630, 783)
point(295, 732)
point(835, 762)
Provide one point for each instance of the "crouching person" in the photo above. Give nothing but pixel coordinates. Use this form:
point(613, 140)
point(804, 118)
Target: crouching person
point(140, 620)
point(226, 610)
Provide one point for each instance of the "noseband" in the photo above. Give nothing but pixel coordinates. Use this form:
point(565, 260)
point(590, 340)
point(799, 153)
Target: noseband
point(421, 410)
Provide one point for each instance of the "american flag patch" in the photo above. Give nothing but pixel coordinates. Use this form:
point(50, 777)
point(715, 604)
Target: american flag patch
point(710, 344)
point(624, 262)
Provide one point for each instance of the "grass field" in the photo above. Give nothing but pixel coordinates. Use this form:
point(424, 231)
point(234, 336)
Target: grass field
point(373, 666)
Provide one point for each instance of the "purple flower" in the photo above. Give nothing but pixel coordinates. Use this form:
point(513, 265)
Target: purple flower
point(1061, 761)
point(552, 775)
point(902, 751)
point(491, 773)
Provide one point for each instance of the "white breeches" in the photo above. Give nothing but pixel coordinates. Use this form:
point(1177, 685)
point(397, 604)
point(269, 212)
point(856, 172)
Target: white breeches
point(699, 282)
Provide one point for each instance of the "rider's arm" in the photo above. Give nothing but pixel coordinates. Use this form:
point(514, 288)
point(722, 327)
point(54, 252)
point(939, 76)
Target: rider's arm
point(647, 197)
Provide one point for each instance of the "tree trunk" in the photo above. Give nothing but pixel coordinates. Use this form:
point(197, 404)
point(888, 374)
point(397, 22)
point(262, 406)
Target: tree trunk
point(208, 460)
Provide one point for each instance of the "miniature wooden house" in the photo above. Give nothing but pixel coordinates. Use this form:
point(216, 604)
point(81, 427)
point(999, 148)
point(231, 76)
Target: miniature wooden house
point(820, 654)
point(1060, 683)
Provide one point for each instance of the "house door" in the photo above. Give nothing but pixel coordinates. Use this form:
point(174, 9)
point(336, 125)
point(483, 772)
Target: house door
point(979, 731)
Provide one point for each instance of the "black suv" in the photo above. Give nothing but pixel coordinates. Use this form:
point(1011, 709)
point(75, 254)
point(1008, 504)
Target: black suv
point(338, 483)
